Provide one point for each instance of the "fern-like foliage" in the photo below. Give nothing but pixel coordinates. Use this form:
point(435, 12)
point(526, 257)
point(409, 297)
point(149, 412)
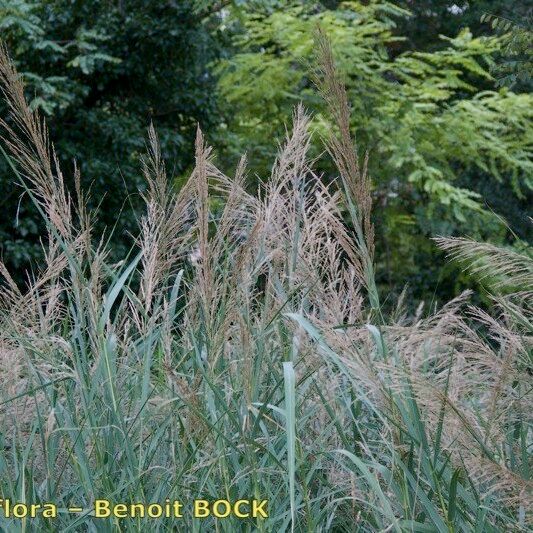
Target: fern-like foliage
point(517, 39)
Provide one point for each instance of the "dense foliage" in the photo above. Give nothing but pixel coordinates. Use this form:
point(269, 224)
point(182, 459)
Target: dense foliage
point(101, 72)
point(433, 135)
point(252, 338)
point(449, 151)
point(242, 351)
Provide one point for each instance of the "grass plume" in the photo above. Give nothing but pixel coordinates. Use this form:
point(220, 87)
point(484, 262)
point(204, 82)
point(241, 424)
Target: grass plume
point(240, 351)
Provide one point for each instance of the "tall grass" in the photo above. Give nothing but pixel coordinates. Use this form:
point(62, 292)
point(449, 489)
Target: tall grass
point(240, 351)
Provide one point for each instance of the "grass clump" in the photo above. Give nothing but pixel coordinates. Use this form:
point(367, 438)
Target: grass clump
point(242, 352)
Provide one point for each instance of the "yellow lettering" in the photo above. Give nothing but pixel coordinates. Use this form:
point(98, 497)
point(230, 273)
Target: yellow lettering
point(49, 510)
point(20, 510)
point(33, 509)
point(237, 507)
point(258, 508)
point(226, 508)
point(120, 510)
point(201, 508)
point(137, 507)
point(177, 509)
point(101, 509)
point(154, 510)
point(6, 508)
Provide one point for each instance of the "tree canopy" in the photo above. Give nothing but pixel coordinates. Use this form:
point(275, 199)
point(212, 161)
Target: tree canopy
point(102, 72)
point(440, 136)
point(449, 146)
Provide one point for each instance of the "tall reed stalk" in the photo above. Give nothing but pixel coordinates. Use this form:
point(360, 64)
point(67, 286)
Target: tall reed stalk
point(240, 350)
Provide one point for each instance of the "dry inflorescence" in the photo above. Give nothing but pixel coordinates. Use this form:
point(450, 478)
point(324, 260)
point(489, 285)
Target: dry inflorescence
point(286, 251)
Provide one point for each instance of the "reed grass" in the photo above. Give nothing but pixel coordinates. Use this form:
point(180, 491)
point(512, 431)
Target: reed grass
point(240, 351)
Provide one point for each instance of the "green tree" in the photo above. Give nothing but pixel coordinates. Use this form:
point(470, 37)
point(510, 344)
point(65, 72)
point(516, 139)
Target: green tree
point(102, 71)
point(431, 18)
point(517, 37)
point(420, 114)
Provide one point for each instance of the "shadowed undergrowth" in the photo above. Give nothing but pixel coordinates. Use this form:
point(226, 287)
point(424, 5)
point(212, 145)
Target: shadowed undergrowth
point(241, 351)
